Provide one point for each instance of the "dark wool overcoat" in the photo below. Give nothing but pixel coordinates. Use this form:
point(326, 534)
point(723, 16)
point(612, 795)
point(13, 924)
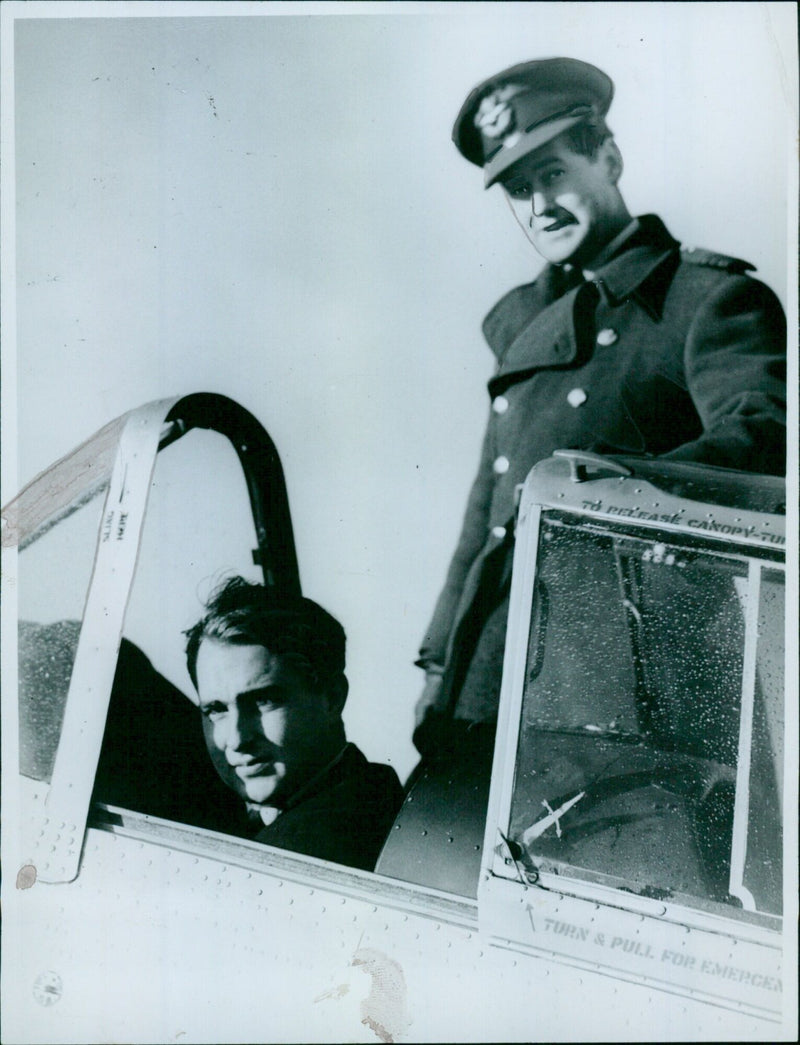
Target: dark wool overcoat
point(667, 351)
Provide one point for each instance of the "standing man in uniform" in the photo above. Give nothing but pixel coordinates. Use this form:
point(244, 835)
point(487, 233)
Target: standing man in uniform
point(626, 343)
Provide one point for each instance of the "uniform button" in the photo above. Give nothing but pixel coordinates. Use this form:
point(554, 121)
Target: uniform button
point(501, 465)
point(499, 531)
point(607, 336)
point(576, 397)
point(500, 404)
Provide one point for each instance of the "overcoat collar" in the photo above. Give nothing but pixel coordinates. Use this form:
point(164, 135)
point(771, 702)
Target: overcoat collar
point(511, 316)
point(628, 274)
point(642, 272)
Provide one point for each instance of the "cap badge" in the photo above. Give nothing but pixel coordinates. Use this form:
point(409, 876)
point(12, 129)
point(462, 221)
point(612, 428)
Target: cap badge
point(495, 117)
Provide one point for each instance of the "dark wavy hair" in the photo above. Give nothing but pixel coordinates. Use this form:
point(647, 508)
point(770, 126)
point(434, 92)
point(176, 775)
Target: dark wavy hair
point(297, 630)
point(586, 137)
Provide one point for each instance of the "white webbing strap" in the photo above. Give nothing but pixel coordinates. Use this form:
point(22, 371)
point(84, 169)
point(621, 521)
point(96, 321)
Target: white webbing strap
point(60, 840)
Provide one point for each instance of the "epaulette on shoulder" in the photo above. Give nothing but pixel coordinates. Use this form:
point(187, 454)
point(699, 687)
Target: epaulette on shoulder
point(699, 256)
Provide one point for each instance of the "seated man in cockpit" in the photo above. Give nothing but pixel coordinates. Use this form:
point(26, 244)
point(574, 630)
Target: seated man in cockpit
point(270, 677)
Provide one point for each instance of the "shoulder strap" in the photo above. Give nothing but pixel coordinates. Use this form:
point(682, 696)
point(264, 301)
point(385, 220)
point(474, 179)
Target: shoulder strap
point(700, 256)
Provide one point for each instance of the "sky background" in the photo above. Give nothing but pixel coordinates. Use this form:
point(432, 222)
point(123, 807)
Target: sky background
point(264, 201)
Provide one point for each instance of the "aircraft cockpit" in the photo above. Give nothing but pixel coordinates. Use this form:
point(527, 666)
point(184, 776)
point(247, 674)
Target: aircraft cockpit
point(626, 816)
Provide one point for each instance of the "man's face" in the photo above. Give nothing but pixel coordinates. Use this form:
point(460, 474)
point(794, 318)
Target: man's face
point(267, 732)
point(567, 204)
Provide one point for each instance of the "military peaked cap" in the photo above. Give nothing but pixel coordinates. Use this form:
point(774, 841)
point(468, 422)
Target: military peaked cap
point(516, 111)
